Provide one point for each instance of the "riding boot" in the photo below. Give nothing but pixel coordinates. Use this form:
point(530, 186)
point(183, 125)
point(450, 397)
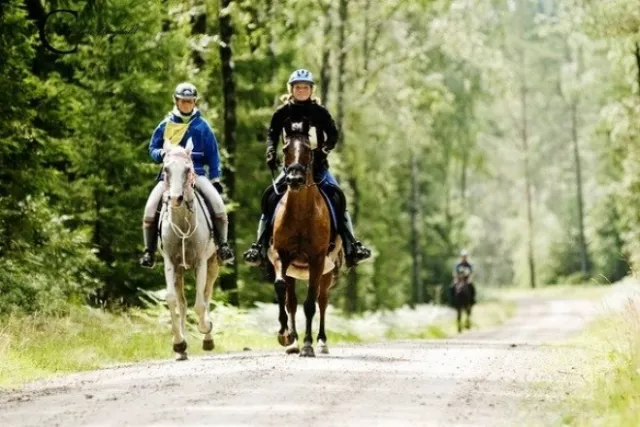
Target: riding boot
point(221, 227)
point(219, 233)
point(150, 231)
point(354, 250)
point(256, 254)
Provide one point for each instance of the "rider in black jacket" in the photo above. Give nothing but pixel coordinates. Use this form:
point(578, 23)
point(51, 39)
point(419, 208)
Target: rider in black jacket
point(299, 106)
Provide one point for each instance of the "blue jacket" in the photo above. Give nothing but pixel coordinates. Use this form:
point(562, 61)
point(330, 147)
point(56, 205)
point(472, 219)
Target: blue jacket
point(205, 145)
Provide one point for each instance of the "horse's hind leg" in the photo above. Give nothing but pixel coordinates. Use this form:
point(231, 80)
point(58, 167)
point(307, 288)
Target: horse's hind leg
point(323, 301)
point(292, 306)
point(212, 275)
point(468, 324)
point(316, 265)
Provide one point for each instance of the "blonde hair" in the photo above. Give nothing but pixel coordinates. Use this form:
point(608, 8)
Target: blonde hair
point(287, 97)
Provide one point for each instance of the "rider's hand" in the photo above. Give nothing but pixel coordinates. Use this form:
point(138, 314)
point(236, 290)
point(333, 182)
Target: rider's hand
point(271, 157)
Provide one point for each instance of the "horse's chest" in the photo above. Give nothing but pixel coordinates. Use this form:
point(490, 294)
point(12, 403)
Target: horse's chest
point(189, 251)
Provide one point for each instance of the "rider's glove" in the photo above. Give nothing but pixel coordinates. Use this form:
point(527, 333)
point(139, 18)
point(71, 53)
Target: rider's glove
point(271, 157)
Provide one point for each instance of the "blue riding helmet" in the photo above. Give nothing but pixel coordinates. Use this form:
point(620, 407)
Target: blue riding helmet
point(301, 76)
point(185, 91)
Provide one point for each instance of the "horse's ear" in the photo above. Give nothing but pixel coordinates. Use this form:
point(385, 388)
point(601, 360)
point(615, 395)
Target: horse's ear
point(167, 145)
point(189, 146)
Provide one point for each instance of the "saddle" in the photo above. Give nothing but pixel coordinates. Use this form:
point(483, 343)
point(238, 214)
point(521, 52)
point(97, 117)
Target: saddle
point(336, 203)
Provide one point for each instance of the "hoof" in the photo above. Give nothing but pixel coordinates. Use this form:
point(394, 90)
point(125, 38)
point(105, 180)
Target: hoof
point(181, 356)
point(285, 339)
point(323, 348)
point(180, 347)
point(307, 351)
point(208, 345)
point(293, 348)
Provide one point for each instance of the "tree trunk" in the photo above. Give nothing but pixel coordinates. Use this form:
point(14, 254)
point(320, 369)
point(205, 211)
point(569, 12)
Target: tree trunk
point(198, 29)
point(342, 56)
point(416, 255)
point(584, 263)
point(229, 282)
point(325, 67)
point(527, 172)
point(351, 300)
point(637, 54)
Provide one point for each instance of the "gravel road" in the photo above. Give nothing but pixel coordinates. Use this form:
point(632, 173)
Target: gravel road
point(511, 375)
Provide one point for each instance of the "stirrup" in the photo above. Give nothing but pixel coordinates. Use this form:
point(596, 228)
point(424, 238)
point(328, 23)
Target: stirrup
point(360, 251)
point(253, 255)
point(147, 260)
point(225, 253)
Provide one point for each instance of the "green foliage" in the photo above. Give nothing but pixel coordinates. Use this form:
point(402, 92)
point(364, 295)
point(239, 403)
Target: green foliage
point(433, 100)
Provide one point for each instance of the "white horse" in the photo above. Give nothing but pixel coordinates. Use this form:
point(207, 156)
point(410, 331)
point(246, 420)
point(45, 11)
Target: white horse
point(185, 243)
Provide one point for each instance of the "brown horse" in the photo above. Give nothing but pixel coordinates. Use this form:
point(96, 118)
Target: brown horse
point(462, 300)
point(300, 244)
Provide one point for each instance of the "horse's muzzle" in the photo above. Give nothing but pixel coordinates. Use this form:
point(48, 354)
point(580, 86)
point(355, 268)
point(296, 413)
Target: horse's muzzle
point(294, 181)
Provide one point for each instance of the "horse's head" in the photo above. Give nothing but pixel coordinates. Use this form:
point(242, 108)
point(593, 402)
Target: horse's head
point(179, 176)
point(297, 154)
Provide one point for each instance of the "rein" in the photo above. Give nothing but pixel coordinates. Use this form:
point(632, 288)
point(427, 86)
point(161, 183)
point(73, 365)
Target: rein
point(284, 169)
point(191, 182)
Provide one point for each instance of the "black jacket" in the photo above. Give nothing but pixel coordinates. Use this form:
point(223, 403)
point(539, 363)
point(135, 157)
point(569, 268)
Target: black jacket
point(314, 113)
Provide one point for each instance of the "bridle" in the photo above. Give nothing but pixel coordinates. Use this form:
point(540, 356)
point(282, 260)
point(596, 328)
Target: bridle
point(191, 176)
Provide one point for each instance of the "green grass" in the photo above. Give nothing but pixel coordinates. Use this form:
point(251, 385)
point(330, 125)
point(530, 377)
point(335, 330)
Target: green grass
point(611, 393)
point(33, 346)
point(37, 346)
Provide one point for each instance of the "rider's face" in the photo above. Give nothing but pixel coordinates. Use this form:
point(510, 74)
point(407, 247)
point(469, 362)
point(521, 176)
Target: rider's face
point(301, 91)
point(186, 106)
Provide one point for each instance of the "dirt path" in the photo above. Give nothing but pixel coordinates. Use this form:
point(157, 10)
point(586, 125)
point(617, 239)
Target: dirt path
point(484, 378)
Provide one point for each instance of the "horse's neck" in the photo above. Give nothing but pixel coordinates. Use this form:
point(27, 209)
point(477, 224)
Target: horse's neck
point(183, 217)
point(302, 203)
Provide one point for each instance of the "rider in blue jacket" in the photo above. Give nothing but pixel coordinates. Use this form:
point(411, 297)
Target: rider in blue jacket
point(182, 123)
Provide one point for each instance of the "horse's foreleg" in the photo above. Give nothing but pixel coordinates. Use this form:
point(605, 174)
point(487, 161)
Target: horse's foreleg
point(280, 286)
point(204, 323)
point(181, 349)
point(179, 343)
point(212, 275)
point(316, 265)
point(172, 301)
point(459, 310)
point(292, 306)
point(468, 316)
point(323, 301)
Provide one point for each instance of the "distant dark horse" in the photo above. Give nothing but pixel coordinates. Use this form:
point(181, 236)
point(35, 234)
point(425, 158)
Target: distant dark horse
point(462, 300)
